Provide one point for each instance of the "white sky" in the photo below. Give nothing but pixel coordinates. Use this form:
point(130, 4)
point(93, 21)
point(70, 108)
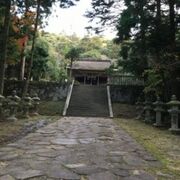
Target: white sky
point(71, 20)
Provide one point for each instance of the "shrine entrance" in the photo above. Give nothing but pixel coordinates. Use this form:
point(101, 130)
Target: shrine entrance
point(91, 79)
point(91, 72)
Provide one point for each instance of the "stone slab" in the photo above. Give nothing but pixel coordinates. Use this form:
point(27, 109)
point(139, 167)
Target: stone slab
point(64, 141)
point(27, 174)
point(102, 176)
point(6, 177)
point(62, 173)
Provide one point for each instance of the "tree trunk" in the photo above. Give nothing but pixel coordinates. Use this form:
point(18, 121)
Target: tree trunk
point(3, 45)
point(158, 18)
point(143, 47)
point(22, 63)
point(22, 67)
point(32, 50)
point(172, 23)
point(23, 57)
point(158, 30)
point(172, 45)
point(158, 46)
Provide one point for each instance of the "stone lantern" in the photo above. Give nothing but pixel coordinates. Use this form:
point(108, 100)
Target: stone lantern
point(148, 111)
point(1, 104)
point(35, 101)
point(12, 104)
point(159, 110)
point(174, 111)
point(26, 104)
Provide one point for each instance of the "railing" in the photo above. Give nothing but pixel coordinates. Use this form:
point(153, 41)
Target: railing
point(109, 102)
point(68, 98)
point(125, 80)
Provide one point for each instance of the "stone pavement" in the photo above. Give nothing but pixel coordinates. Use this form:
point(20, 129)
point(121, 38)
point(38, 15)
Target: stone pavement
point(76, 148)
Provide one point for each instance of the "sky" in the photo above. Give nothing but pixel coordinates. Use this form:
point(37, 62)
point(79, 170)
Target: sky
point(71, 20)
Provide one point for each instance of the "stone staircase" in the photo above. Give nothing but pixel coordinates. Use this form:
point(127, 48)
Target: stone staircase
point(89, 101)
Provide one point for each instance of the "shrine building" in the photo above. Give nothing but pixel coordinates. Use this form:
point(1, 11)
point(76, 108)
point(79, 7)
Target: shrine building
point(90, 71)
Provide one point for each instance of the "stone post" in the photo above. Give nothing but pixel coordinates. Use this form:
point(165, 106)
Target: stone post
point(159, 110)
point(35, 101)
point(1, 106)
point(26, 104)
point(139, 110)
point(13, 102)
point(174, 111)
point(148, 112)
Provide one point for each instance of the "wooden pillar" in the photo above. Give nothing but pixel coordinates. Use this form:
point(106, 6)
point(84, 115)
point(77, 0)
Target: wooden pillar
point(91, 78)
point(98, 80)
point(84, 79)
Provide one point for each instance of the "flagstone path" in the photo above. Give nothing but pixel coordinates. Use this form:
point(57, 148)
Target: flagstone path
point(76, 148)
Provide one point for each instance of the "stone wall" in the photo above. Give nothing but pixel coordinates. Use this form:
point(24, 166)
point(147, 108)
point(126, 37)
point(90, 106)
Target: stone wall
point(125, 94)
point(52, 91)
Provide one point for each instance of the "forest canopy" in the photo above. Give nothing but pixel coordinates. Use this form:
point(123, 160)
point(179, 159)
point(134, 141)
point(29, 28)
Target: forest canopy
point(147, 43)
point(148, 32)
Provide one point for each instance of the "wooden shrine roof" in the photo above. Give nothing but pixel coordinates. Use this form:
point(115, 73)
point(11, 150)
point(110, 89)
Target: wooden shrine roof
point(93, 65)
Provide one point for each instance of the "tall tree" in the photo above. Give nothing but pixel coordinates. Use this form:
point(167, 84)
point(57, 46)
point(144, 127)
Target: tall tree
point(72, 55)
point(32, 49)
point(172, 23)
point(27, 20)
point(3, 42)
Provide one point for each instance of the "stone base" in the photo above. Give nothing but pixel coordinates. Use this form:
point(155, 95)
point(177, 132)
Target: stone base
point(157, 125)
point(174, 131)
point(34, 114)
point(11, 118)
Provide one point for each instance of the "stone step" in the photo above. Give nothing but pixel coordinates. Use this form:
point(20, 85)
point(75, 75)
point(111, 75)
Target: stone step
point(88, 101)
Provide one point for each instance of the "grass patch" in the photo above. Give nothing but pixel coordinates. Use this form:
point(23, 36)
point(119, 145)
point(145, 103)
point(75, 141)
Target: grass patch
point(51, 108)
point(123, 110)
point(161, 143)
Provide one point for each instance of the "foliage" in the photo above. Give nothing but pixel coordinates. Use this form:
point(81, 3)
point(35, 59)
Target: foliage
point(27, 17)
point(41, 56)
point(51, 53)
point(62, 48)
point(103, 13)
point(95, 54)
point(130, 58)
point(73, 53)
point(148, 32)
point(154, 84)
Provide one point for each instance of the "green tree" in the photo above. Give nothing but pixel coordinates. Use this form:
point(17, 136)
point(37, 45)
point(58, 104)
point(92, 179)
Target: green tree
point(41, 57)
point(72, 55)
point(94, 54)
point(147, 32)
